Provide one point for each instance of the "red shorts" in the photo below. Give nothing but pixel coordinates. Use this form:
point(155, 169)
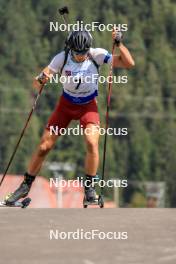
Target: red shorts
point(66, 111)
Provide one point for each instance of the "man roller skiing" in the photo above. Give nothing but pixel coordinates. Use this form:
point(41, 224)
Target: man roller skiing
point(76, 103)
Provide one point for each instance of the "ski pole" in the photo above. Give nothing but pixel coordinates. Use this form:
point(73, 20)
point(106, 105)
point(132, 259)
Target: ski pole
point(22, 134)
point(62, 11)
point(107, 114)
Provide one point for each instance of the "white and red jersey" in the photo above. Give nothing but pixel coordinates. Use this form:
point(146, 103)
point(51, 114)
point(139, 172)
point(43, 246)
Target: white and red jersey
point(74, 71)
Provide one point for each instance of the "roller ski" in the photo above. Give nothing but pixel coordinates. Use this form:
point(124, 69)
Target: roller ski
point(91, 198)
point(97, 201)
point(22, 204)
point(12, 199)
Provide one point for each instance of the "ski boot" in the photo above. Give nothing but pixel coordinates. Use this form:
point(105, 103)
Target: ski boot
point(90, 194)
point(22, 190)
point(91, 198)
point(22, 204)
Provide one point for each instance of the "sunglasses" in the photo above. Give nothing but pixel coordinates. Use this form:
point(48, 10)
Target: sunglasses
point(84, 52)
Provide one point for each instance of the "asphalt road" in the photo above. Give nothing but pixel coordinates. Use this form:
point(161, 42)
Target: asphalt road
point(25, 236)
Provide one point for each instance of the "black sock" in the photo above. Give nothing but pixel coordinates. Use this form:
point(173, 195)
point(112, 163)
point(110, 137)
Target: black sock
point(29, 178)
point(88, 181)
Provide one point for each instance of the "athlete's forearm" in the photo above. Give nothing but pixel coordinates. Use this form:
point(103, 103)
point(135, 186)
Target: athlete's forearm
point(125, 56)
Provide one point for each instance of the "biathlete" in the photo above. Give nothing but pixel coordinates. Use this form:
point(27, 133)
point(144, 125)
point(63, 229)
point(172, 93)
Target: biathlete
point(77, 102)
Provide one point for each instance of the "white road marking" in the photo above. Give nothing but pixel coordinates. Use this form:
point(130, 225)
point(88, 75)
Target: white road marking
point(167, 258)
point(87, 261)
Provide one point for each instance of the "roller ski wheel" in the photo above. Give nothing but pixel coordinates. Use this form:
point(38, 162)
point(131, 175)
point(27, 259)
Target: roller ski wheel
point(101, 201)
point(25, 203)
point(85, 203)
point(22, 204)
point(98, 201)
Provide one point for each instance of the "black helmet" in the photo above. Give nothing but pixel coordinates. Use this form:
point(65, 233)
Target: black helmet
point(79, 40)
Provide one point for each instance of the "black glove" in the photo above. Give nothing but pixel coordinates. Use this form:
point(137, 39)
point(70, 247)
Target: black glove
point(42, 78)
point(118, 38)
